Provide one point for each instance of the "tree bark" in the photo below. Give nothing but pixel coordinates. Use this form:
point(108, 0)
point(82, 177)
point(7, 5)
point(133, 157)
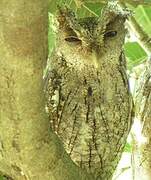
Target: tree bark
point(28, 148)
point(143, 111)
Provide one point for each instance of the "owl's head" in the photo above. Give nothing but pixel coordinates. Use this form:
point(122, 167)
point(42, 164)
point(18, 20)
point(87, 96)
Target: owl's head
point(92, 34)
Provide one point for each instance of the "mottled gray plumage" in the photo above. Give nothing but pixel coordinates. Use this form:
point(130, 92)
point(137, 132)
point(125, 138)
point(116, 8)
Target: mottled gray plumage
point(88, 98)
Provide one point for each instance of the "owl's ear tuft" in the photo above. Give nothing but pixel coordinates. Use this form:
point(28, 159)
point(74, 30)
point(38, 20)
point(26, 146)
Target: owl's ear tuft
point(66, 17)
point(109, 15)
point(68, 24)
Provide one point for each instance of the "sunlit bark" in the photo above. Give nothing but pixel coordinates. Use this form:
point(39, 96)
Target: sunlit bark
point(28, 149)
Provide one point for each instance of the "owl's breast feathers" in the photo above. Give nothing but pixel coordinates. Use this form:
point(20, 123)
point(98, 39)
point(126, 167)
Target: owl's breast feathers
point(90, 110)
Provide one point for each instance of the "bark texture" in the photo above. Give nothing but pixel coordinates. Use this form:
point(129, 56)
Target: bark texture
point(143, 110)
point(28, 148)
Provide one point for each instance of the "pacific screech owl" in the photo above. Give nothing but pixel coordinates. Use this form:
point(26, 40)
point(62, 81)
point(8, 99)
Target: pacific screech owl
point(88, 98)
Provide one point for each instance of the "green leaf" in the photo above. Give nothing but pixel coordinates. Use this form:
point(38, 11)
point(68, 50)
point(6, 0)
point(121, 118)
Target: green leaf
point(90, 9)
point(2, 178)
point(128, 148)
point(86, 9)
point(135, 55)
point(53, 5)
point(143, 17)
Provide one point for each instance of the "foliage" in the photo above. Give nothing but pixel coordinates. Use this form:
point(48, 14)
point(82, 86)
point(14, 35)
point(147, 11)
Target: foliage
point(2, 178)
point(128, 148)
point(143, 17)
point(135, 54)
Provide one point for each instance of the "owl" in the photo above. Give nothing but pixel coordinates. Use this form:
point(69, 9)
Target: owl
point(87, 91)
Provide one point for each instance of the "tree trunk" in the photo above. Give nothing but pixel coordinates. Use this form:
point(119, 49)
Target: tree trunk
point(28, 148)
point(143, 111)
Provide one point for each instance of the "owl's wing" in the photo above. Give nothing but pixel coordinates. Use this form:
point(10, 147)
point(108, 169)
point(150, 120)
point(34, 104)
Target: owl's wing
point(52, 86)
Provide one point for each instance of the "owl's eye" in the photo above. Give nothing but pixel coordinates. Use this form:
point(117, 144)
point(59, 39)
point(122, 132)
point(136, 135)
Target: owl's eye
point(110, 33)
point(72, 39)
